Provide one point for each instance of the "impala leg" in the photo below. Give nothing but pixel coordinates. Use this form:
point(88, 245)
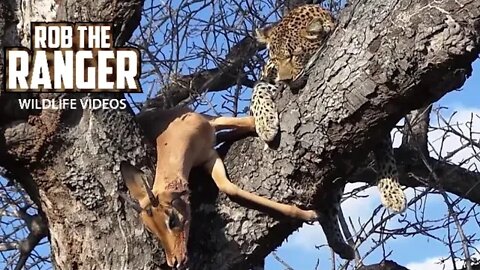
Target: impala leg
point(217, 170)
point(246, 123)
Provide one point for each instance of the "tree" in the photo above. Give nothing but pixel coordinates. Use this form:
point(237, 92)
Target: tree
point(401, 56)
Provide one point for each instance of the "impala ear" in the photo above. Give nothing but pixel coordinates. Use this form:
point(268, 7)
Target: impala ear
point(133, 179)
point(174, 198)
point(169, 196)
point(133, 204)
point(178, 203)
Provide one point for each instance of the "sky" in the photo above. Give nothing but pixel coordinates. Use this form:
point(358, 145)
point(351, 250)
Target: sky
point(416, 253)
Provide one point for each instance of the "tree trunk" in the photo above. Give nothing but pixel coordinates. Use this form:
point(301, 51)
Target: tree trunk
point(386, 58)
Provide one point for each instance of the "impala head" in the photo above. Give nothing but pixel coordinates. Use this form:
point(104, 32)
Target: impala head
point(165, 213)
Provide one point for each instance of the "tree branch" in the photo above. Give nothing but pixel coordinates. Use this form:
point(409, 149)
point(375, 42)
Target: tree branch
point(416, 129)
point(413, 173)
point(210, 80)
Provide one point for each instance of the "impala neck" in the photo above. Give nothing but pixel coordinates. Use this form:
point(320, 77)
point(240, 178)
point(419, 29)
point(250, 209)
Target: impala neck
point(173, 168)
point(172, 179)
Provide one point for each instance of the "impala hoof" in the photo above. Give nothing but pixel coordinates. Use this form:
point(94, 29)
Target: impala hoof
point(312, 216)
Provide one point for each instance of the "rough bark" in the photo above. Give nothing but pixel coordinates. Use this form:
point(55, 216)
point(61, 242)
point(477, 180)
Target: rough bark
point(386, 265)
point(386, 58)
point(68, 160)
point(416, 130)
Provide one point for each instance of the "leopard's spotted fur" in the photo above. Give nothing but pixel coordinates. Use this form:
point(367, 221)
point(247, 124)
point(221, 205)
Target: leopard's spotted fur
point(264, 111)
point(291, 43)
point(293, 40)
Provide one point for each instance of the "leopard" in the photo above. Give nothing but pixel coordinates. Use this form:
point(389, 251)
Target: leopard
point(291, 43)
point(293, 40)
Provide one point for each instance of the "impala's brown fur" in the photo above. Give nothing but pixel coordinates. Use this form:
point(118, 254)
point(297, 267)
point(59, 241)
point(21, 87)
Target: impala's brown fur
point(186, 140)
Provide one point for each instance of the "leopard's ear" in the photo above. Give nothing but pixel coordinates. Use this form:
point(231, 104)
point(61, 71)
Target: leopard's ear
point(298, 51)
point(262, 35)
point(314, 29)
point(320, 27)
